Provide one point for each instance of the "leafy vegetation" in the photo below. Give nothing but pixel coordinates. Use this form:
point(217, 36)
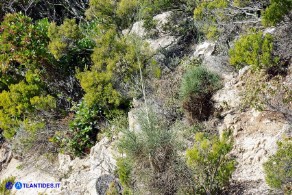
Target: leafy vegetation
point(211, 163)
point(116, 62)
point(83, 130)
point(219, 16)
point(23, 47)
point(277, 168)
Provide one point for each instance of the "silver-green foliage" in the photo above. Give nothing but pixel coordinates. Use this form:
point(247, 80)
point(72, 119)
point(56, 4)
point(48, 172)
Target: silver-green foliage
point(199, 81)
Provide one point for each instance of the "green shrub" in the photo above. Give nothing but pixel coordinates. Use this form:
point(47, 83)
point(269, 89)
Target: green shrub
point(85, 128)
point(254, 49)
point(83, 131)
point(22, 100)
point(67, 37)
point(278, 170)
point(72, 44)
point(205, 7)
point(116, 68)
point(211, 163)
point(199, 80)
point(23, 42)
point(241, 3)
point(216, 17)
point(3, 189)
point(207, 14)
point(276, 11)
point(152, 154)
point(24, 58)
point(124, 168)
point(197, 88)
point(23, 48)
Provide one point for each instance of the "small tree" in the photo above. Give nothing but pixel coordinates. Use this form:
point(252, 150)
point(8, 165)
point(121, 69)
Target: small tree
point(278, 169)
point(211, 163)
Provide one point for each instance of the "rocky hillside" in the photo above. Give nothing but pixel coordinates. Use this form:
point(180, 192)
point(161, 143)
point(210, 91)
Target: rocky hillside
point(141, 97)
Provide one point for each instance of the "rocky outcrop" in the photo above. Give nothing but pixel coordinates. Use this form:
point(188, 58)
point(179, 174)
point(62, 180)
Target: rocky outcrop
point(77, 176)
point(255, 135)
point(37, 172)
point(217, 64)
point(204, 49)
point(5, 155)
point(85, 174)
point(162, 41)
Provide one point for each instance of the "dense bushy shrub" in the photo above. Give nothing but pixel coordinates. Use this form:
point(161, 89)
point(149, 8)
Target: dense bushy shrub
point(207, 15)
point(276, 11)
point(197, 88)
point(71, 44)
point(211, 163)
point(117, 63)
point(110, 13)
point(278, 168)
point(82, 133)
point(24, 44)
point(254, 49)
point(23, 100)
point(199, 80)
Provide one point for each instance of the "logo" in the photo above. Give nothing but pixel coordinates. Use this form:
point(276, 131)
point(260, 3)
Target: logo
point(18, 185)
point(9, 185)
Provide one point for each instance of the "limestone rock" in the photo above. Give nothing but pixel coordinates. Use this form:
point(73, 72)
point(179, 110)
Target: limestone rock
point(102, 159)
point(269, 30)
point(5, 155)
point(219, 65)
point(256, 136)
point(162, 42)
point(243, 71)
point(204, 49)
point(228, 97)
point(161, 20)
point(64, 162)
point(78, 176)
